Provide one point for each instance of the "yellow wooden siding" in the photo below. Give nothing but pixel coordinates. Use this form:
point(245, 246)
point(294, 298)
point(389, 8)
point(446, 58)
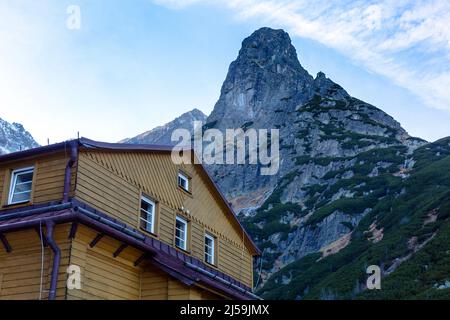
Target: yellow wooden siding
point(157, 285)
point(102, 276)
point(113, 181)
point(107, 278)
point(21, 268)
point(48, 180)
point(107, 191)
point(154, 284)
point(197, 240)
point(177, 290)
point(166, 223)
point(235, 262)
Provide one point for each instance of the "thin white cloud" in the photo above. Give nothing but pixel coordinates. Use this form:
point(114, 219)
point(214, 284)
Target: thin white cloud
point(406, 41)
point(176, 4)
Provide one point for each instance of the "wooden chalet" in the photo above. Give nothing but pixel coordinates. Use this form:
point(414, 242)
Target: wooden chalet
point(90, 220)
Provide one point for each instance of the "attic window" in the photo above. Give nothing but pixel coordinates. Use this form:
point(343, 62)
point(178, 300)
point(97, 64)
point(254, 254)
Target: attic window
point(183, 181)
point(21, 185)
point(147, 218)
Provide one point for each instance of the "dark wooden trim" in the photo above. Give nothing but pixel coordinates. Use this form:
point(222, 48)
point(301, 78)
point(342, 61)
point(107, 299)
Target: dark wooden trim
point(5, 242)
point(96, 240)
point(73, 230)
point(122, 247)
point(140, 259)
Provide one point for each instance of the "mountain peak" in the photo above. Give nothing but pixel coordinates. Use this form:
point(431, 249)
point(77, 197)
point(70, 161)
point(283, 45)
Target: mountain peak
point(269, 48)
point(265, 35)
point(162, 134)
point(196, 113)
point(14, 137)
point(266, 73)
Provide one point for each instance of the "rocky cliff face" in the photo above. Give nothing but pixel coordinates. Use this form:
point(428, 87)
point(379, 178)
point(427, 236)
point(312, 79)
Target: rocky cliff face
point(266, 87)
point(162, 134)
point(13, 137)
point(326, 136)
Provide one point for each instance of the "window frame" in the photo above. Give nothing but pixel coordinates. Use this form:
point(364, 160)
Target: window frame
point(213, 249)
point(13, 182)
point(183, 176)
point(185, 222)
point(153, 214)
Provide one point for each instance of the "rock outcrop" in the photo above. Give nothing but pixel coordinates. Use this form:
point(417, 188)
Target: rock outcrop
point(14, 137)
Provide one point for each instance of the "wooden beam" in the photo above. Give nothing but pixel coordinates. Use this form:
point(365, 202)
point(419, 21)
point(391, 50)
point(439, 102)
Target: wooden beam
point(73, 230)
point(96, 240)
point(5, 242)
point(119, 250)
point(140, 259)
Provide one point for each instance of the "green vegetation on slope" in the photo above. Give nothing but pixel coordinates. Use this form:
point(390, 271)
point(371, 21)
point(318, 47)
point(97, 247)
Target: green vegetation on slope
point(409, 235)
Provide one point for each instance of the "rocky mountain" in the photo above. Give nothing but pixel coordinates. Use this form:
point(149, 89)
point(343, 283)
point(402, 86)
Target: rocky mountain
point(162, 134)
point(14, 137)
point(353, 188)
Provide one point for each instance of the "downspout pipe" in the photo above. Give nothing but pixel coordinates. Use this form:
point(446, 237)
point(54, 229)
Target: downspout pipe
point(68, 173)
point(56, 259)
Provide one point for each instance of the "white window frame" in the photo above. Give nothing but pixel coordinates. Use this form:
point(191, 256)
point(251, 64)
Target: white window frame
point(153, 213)
point(185, 178)
point(12, 187)
point(213, 249)
point(185, 231)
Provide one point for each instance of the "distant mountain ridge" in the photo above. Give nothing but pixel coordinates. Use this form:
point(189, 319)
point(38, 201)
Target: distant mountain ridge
point(162, 134)
point(14, 137)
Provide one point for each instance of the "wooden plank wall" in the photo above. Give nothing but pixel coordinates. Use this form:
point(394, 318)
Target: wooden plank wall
point(107, 278)
point(49, 180)
point(154, 284)
point(157, 285)
point(103, 277)
point(21, 268)
point(48, 183)
point(113, 181)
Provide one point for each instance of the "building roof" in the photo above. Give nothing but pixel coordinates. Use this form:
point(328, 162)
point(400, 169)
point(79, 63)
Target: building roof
point(187, 269)
point(125, 147)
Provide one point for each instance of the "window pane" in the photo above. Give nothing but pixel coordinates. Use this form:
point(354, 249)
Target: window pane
point(149, 226)
point(143, 224)
point(21, 197)
point(24, 177)
point(22, 187)
point(146, 206)
point(183, 182)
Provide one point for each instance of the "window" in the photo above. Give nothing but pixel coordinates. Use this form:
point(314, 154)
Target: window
point(147, 218)
point(181, 233)
point(183, 181)
point(21, 183)
point(209, 249)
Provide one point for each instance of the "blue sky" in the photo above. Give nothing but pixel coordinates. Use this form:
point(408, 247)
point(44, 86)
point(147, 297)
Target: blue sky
point(137, 64)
